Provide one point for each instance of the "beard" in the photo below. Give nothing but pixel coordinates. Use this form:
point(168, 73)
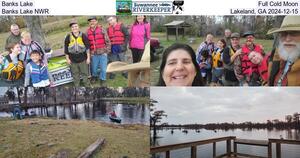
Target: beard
point(291, 55)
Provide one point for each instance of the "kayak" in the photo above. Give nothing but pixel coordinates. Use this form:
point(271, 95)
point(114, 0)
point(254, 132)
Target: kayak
point(115, 119)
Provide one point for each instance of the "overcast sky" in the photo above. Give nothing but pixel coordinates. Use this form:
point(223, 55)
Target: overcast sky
point(212, 105)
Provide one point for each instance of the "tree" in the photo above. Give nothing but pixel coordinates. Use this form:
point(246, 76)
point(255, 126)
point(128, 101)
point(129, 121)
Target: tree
point(276, 24)
point(155, 117)
point(288, 118)
point(34, 26)
point(296, 117)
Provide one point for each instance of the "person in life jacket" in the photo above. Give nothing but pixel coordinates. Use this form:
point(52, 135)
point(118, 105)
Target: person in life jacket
point(139, 36)
point(27, 46)
point(262, 63)
point(230, 53)
point(245, 70)
point(113, 114)
point(12, 66)
point(284, 65)
point(77, 52)
point(36, 72)
point(217, 66)
point(99, 47)
point(119, 37)
point(208, 45)
point(205, 64)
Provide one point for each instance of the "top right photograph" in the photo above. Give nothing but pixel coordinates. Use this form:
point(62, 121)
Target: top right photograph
point(225, 51)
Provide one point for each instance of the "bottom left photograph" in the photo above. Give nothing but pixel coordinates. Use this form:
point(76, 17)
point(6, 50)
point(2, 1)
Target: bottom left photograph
point(74, 122)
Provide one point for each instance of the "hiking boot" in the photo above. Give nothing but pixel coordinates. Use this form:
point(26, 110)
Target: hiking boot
point(103, 83)
point(93, 79)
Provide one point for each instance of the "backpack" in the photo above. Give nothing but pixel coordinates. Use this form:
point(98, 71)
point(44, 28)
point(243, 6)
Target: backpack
point(13, 71)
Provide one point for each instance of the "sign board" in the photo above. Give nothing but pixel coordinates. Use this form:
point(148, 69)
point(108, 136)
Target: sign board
point(61, 76)
point(60, 71)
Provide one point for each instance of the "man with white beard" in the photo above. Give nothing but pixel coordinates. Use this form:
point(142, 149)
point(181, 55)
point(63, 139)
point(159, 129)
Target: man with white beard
point(284, 66)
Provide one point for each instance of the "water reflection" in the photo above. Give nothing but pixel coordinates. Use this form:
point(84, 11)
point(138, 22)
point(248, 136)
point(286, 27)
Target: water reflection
point(166, 137)
point(130, 113)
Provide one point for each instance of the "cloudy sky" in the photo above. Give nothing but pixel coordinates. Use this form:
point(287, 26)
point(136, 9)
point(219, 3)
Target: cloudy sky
point(212, 105)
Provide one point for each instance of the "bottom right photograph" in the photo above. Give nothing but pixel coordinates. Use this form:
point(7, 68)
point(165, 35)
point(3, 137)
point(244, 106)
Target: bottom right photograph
point(224, 122)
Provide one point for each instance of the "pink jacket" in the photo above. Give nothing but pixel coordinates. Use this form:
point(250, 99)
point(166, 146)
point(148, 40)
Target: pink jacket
point(138, 35)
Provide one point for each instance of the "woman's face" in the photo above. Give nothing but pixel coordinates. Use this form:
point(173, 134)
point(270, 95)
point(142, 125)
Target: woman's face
point(140, 18)
point(16, 49)
point(26, 40)
point(179, 69)
point(220, 44)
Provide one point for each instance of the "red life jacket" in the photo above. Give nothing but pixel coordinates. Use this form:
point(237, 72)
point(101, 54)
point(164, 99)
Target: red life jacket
point(115, 34)
point(96, 38)
point(263, 68)
point(247, 66)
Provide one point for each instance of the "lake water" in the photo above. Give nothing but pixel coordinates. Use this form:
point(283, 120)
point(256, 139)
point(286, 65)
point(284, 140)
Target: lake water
point(130, 113)
point(205, 151)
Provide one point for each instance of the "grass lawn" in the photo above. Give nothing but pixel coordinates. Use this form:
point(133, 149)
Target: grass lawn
point(267, 44)
point(44, 137)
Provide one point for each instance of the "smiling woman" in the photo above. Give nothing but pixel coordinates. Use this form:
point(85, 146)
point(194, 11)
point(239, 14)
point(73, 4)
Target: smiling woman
point(179, 67)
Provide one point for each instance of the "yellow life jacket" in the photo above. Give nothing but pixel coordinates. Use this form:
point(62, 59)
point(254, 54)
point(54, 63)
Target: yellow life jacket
point(76, 45)
point(231, 51)
point(13, 71)
point(217, 62)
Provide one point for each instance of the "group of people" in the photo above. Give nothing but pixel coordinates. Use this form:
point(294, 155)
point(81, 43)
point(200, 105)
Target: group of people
point(230, 62)
point(27, 61)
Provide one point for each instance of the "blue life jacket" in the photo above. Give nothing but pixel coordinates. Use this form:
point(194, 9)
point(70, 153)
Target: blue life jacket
point(38, 73)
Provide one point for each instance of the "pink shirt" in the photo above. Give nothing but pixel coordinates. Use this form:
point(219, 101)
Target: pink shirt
point(138, 34)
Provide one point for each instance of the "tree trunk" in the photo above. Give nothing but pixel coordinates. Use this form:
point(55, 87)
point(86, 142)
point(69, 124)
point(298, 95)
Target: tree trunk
point(34, 26)
point(277, 23)
point(19, 97)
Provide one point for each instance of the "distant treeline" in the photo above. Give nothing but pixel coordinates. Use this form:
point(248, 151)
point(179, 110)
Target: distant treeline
point(275, 124)
point(71, 93)
point(201, 25)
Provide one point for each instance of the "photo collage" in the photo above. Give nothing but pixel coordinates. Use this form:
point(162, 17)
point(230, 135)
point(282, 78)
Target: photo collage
point(141, 86)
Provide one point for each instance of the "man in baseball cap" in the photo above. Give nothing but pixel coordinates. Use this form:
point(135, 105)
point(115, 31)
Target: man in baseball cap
point(229, 55)
point(246, 70)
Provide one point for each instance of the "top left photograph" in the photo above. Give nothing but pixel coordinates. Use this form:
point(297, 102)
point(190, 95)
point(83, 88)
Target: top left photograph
point(75, 51)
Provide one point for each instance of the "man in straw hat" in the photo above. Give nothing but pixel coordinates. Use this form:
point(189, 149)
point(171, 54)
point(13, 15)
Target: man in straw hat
point(284, 66)
point(138, 73)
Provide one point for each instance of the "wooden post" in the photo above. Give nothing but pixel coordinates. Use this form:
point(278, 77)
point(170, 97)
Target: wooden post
point(228, 147)
point(278, 150)
point(194, 152)
point(167, 154)
point(214, 149)
point(176, 32)
point(90, 150)
point(270, 150)
point(235, 148)
point(167, 34)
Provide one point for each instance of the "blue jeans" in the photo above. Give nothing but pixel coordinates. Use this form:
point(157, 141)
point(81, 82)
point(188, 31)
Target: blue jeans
point(117, 57)
point(17, 112)
point(99, 61)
